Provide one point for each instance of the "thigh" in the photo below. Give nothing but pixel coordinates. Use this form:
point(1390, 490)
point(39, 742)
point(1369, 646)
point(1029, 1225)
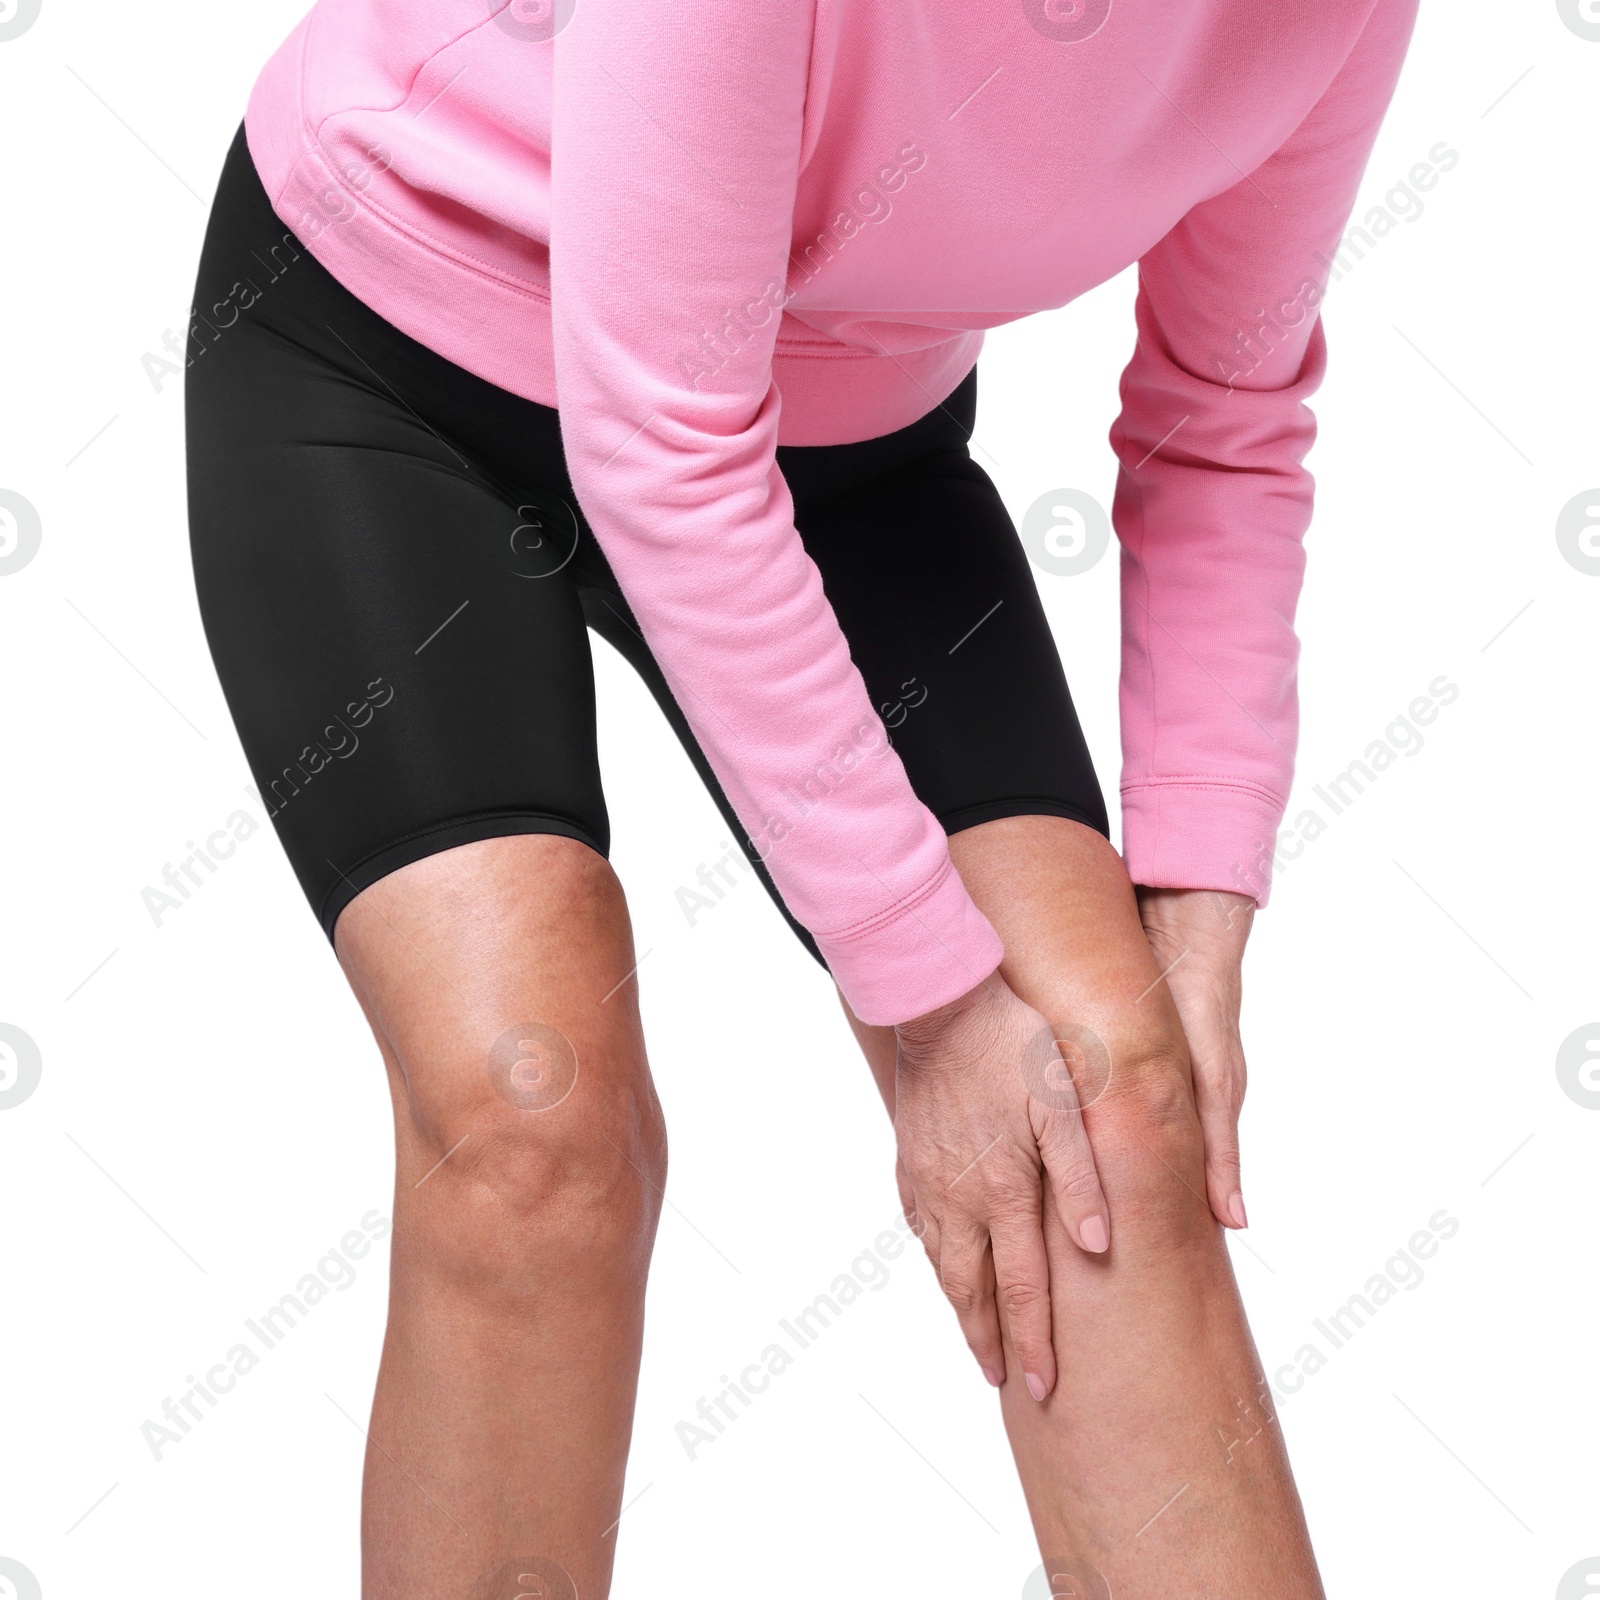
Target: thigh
point(936, 597)
point(406, 673)
point(497, 977)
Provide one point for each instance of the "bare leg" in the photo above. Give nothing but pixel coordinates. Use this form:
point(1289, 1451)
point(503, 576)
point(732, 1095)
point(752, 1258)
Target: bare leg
point(530, 1155)
point(1157, 1458)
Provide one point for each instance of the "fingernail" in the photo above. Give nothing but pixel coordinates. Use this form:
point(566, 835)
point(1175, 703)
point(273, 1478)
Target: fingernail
point(1035, 1385)
point(1092, 1230)
point(1236, 1210)
point(996, 1379)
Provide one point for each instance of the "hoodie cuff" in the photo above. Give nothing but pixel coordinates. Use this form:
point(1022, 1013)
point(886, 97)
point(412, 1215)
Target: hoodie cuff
point(929, 949)
point(1201, 833)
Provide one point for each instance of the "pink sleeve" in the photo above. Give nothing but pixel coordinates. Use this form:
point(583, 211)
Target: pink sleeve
point(1212, 500)
point(676, 145)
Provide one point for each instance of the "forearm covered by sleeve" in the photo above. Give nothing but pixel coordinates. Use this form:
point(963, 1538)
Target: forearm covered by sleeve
point(1212, 498)
point(676, 144)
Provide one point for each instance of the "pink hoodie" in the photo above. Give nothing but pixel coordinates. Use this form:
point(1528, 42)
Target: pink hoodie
point(707, 229)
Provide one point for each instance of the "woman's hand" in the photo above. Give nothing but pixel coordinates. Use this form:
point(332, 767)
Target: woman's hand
point(975, 1147)
point(1198, 937)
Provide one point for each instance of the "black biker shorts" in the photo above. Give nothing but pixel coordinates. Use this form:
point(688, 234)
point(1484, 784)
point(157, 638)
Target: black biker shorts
point(396, 584)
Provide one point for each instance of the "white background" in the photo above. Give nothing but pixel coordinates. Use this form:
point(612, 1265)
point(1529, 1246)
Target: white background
point(211, 1115)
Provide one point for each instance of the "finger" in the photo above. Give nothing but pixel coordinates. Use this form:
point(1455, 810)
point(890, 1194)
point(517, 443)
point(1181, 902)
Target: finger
point(966, 1274)
point(1073, 1177)
point(1218, 1094)
point(1022, 1289)
point(1207, 996)
point(1217, 1060)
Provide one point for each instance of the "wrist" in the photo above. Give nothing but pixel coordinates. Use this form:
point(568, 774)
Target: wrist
point(1213, 920)
point(938, 1022)
point(1212, 905)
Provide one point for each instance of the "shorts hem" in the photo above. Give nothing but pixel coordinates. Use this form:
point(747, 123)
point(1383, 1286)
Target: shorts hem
point(1026, 806)
point(431, 841)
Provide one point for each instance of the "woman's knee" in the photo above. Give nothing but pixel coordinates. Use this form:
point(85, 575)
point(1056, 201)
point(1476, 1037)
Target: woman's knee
point(1147, 1141)
point(515, 1200)
point(530, 1144)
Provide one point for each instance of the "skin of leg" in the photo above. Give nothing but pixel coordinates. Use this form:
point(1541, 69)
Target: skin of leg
point(1158, 1457)
point(522, 1228)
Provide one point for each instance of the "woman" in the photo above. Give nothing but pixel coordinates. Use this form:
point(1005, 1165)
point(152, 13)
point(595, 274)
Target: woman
point(728, 267)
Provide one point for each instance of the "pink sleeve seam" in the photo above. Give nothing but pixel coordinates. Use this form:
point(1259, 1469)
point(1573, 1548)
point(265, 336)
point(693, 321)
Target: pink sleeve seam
point(1202, 781)
point(895, 913)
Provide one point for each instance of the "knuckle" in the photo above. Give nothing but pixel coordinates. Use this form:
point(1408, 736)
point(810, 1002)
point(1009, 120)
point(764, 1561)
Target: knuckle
point(963, 1293)
point(1012, 1200)
point(1225, 1159)
point(915, 1185)
point(1078, 1182)
point(908, 1159)
point(1221, 1085)
point(1020, 1298)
